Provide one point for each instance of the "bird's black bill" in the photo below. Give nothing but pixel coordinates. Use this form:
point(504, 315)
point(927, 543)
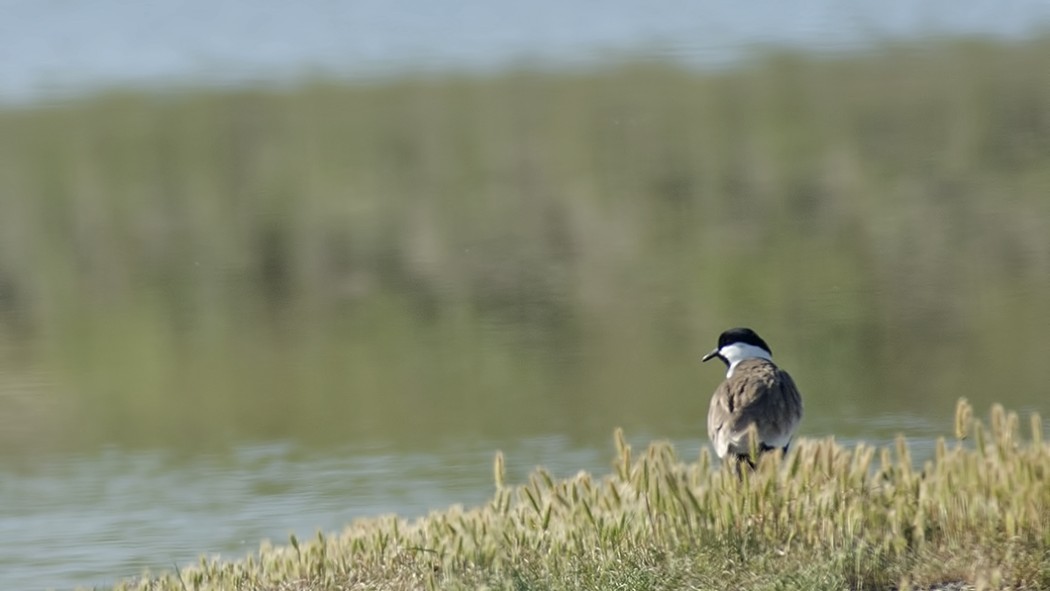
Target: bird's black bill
point(710, 356)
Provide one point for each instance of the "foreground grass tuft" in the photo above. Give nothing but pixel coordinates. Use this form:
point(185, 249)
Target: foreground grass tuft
point(976, 515)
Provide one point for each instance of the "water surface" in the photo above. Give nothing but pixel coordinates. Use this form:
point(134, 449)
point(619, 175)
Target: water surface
point(58, 48)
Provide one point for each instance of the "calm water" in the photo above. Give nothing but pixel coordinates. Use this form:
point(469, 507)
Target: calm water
point(55, 48)
point(299, 450)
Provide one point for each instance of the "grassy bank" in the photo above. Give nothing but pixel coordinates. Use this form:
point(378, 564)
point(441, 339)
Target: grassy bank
point(823, 517)
point(174, 265)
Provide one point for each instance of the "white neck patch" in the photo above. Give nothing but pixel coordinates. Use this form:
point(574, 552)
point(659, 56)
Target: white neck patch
point(738, 352)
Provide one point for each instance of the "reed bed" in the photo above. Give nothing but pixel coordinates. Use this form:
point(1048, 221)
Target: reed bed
point(976, 515)
point(515, 240)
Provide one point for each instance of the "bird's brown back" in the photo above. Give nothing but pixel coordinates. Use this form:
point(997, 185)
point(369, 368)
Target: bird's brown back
point(758, 392)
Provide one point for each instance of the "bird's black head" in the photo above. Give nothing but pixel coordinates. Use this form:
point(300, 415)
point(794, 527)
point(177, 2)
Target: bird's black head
point(739, 335)
point(742, 335)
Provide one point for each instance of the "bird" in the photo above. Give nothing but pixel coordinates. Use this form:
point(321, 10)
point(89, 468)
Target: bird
point(755, 392)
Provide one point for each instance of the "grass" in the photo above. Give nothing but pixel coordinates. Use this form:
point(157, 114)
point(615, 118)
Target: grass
point(822, 517)
point(168, 261)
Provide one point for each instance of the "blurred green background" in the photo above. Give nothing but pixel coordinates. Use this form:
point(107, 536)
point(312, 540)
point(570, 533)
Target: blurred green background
point(529, 252)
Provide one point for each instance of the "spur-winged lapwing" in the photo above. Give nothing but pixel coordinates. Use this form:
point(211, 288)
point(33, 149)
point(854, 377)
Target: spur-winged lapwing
point(755, 392)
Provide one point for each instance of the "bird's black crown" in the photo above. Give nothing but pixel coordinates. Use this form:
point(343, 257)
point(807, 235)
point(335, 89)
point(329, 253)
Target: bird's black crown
point(742, 335)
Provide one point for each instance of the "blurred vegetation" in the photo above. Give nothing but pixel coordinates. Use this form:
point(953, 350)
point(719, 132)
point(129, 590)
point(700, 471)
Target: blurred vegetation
point(466, 254)
point(975, 516)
